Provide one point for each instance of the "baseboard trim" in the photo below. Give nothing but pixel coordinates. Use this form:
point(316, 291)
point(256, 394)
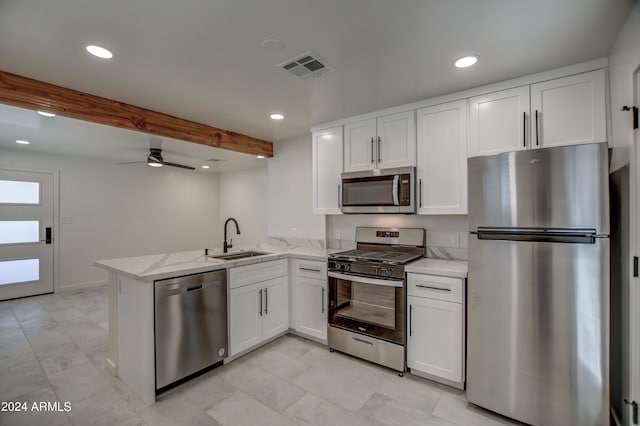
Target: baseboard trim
point(80, 286)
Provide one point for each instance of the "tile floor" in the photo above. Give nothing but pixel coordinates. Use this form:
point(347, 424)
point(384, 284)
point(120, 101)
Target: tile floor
point(53, 348)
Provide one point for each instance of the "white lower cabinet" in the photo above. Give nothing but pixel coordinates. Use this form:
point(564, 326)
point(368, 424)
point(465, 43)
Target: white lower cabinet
point(257, 310)
point(310, 298)
point(435, 324)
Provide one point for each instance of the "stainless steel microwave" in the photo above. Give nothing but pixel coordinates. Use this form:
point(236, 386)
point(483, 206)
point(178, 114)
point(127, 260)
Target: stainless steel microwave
point(379, 191)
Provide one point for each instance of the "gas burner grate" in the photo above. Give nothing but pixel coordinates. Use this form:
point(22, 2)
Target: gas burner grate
point(394, 257)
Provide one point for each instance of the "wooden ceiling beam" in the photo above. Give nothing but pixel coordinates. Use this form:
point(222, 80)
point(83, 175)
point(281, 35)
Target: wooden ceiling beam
point(33, 94)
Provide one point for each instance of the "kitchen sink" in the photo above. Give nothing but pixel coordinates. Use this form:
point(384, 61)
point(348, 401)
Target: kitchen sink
point(238, 255)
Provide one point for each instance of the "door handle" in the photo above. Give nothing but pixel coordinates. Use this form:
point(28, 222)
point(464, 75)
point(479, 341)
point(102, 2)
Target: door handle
point(410, 320)
point(339, 200)
point(355, 339)
point(322, 301)
point(260, 311)
point(524, 129)
point(372, 143)
point(266, 301)
point(379, 142)
point(537, 130)
point(48, 235)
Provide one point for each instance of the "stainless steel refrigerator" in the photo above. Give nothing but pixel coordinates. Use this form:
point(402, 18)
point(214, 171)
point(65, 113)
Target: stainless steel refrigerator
point(538, 286)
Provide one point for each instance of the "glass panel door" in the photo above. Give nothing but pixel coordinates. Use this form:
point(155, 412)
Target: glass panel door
point(26, 212)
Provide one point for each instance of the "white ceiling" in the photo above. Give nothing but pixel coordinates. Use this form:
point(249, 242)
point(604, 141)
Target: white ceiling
point(202, 60)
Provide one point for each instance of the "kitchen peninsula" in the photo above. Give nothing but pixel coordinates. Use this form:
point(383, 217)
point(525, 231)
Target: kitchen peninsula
point(131, 354)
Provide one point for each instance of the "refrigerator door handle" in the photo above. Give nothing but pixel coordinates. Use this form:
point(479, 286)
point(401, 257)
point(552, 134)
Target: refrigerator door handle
point(578, 236)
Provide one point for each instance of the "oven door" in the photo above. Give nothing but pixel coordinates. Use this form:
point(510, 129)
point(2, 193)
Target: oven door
point(375, 192)
point(371, 306)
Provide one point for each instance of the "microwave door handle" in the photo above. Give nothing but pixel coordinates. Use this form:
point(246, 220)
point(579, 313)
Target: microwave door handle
point(396, 184)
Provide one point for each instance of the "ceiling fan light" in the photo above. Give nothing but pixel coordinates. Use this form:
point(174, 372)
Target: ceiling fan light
point(154, 164)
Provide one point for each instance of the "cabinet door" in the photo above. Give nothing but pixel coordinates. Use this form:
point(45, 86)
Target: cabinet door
point(275, 317)
point(442, 159)
point(245, 318)
point(311, 307)
point(396, 140)
point(499, 122)
point(360, 146)
point(326, 169)
point(569, 111)
point(434, 345)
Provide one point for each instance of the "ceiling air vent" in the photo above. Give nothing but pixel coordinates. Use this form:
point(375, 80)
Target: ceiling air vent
point(306, 65)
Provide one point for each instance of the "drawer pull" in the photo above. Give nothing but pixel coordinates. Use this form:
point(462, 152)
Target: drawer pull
point(355, 339)
point(309, 269)
point(433, 288)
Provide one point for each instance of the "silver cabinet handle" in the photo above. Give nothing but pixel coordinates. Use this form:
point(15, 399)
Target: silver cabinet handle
point(537, 130)
point(372, 143)
point(322, 300)
point(339, 198)
point(302, 268)
point(433, 288)
point(355, 339)
point(524, 129)
point(420, 192)
point(260, 311)
point(266, 301)
point(379, 142)
point(410, 320)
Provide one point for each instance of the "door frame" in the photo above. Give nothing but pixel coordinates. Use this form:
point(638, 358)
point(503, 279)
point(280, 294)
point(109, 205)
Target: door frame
point(56, 216)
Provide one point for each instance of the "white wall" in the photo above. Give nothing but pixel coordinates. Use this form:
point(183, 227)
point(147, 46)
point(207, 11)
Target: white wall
point(120, 211)
point(290, 198)
point(243, 196)
point(624, 60)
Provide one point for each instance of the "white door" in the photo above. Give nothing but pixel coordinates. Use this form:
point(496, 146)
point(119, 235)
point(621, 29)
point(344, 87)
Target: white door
point(442, 159)
point(360, 146)
point(396, 140)
point(26, 233)
point(245, 318)
point(275, 318)
point(499, 122)
point(311, 306)
point(327, 166)
point(434, 345)
point(569, 111)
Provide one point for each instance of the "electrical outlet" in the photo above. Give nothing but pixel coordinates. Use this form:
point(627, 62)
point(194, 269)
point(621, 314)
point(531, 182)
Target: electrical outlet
point(336, 234)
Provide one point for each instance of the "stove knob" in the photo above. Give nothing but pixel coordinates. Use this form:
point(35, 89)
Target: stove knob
point(347, 267)
point(378, 270)
point(389, 272)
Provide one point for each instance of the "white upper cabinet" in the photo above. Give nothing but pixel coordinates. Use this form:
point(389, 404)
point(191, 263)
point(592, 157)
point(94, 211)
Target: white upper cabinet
point(442, 159)
point(569, 111)
point(562, 111)
point(382, 143)
point(498, 122)
point(327, 166)
point(360, 146)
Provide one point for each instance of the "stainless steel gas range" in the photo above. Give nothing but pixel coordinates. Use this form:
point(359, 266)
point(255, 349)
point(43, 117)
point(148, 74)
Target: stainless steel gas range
point(367, 312)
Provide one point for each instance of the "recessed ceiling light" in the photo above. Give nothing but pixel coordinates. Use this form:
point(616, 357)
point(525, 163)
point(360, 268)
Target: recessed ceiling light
point(259, 156)
point(22, 142)
point(205, 167)
point(46, 114)
point(276, 116)
point(465, 61)
point(99, 51)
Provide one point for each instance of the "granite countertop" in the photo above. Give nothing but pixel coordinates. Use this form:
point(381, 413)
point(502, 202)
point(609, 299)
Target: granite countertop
point(168, 265)
point(442, 267)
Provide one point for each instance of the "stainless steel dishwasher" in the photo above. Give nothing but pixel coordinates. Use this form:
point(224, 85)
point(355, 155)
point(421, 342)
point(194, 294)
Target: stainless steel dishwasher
point(190, 324)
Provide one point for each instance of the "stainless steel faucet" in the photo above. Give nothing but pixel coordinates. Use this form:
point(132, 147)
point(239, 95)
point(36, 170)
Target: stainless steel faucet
point(228, 245)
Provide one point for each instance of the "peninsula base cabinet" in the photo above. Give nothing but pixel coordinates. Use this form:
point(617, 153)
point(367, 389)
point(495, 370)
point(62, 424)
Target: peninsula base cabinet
point(435, 342)
point(310, 295)
point(258, 304)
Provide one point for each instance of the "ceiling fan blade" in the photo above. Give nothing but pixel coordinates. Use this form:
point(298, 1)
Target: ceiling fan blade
point(132, 162)
point(166, 163)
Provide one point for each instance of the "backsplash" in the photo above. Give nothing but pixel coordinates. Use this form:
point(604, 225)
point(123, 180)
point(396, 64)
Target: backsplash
point(296, 242)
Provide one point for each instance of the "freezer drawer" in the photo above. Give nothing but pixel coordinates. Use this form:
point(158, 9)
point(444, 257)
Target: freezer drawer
point(190, 325)
point(538, 330)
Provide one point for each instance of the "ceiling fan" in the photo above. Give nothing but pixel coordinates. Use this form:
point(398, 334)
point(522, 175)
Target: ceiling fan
point(154, 159)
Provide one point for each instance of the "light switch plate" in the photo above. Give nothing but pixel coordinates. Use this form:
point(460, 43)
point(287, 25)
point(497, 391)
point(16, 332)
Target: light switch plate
point(65, 220)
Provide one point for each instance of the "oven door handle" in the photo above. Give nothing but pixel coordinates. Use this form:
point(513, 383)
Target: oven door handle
point(367, 280)
point(396, 185)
